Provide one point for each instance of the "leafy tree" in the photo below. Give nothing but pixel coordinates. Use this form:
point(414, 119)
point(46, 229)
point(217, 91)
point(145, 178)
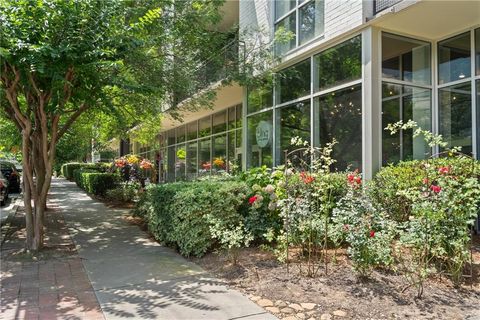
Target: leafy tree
point(62, 58)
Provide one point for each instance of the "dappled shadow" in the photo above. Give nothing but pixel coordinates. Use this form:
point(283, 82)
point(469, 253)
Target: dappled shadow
point(135, 277)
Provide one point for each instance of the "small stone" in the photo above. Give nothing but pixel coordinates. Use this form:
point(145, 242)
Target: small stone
point(296, 307)
point(312, 318)
point(265, 303)
point(272, 309)
point(290, 318)
point(280, 304)
point(311, 313)
point(339, 313)
point(308, 306)
point(287, 310)
point(255, 298)
point(326, 316)
point(301, 315)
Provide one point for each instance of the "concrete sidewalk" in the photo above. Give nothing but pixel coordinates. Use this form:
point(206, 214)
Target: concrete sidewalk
point(136, 278)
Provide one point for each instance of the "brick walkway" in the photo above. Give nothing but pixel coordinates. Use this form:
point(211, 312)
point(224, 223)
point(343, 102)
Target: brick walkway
point(51, 285)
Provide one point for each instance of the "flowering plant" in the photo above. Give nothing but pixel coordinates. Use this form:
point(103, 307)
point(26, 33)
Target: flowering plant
point(132, 168)
point(219, 163)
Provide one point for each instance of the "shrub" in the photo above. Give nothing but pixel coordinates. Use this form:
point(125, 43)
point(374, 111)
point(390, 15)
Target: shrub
point(125, 192)
point(68, 169)
point(95, 182)
point(195, 216)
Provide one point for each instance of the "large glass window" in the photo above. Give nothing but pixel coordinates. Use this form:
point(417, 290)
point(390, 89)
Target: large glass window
point(180, 157)
point(297, 22)
point(180, 134)
point(404, 103)
point(294, 122)
point(455, 118)
point(219, 122)
point(311, 21)
point(405, 59)
point(192, 130)
point(170, 164)
point(231, 151)
point(340, 117)
point(260, 97)
point(191, 160)
point(204, 127)
point(219, 157)
point(454, 58)
point(337, 65)
point(293, 82)
point(204, 161)
point(260, 140)
point(170, 138)
point(477, 51)
point(478, 118)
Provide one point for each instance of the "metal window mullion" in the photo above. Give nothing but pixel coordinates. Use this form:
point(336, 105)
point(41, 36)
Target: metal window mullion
point(406, 83)
point(338, 87)
point(435, 108)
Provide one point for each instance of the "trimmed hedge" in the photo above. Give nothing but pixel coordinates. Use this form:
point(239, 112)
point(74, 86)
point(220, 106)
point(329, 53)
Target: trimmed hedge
point(95, 182)
point(68, 169)
point(183, 214)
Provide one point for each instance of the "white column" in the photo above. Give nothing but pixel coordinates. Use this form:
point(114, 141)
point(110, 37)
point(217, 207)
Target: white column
point(371, 102)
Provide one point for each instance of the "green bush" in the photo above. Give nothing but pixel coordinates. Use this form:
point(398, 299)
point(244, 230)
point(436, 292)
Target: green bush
point(95, 182)
point(68, 169)
point(194, 216)
point(125, 192)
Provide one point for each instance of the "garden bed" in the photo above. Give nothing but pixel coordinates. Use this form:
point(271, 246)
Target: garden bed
point(341, 294)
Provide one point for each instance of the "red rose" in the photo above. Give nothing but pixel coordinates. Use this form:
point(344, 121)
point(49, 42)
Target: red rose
point(252, 199)
point(435, 189)
point(351, 177)
point(358, 180)
point(372, 233)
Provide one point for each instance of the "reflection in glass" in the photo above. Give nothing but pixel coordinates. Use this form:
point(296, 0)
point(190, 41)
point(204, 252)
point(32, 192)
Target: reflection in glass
point(405, 59)
point(219, 157)
point(219, 122)
point(454, 58)
point(259, 140)
point(455, 108)
point(204, 161)
point(239, 116)
point(477, 52)
point(180, 158)
point(286, 27)
point(239, 149)
point(294, 82)
point(231, 162)
point(231, 118)
point(170, 137)
point(260, 97)
point(283, 6)
point(404, 103)
point(181, 134)
point(192, 130)
point(478, 118)
point(204, 127)
point(170, 161)
point(191, 160)
point(340, 64)
point(340, 118)
point(311, 21)
point(294, 122)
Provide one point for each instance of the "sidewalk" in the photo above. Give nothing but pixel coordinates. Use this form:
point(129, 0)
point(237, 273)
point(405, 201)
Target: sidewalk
point(134, 277)
point(53, 285)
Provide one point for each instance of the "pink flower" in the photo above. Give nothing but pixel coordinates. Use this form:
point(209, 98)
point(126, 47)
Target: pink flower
point(435, 189)
point(252, 199)
point(425, 181)
point(346, 227)
point(444, 170)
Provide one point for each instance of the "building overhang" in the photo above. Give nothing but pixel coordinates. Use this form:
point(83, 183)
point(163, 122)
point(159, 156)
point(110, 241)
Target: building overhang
point(430, 19)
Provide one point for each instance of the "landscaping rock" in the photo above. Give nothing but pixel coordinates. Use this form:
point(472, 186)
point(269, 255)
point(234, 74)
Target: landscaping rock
point(326, 316)
point(265, 303)
point(287, 310)
point(301, 315)
point(311, 313)
point(308, 306)
point(290, 318)
point(272, 309)
point(296, 307)
point(255, 298)
point(280, 304)
point(339, 313)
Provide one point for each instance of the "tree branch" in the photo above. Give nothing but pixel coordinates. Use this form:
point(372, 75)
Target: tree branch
point(71, 120)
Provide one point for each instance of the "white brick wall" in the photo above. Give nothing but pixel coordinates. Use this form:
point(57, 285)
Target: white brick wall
point(256, 15)
point(342, 16)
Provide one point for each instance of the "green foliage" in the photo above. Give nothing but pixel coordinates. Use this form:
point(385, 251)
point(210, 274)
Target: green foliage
point(195, 216)
point(125, 192)
point(68, 169)
point(95, 182)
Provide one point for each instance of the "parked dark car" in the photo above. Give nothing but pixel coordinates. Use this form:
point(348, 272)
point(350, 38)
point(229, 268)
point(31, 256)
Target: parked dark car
point(3, 189)
point(12, 175)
